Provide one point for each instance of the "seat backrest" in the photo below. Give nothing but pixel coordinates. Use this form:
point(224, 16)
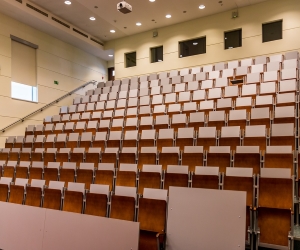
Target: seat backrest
point(285, 129)
point(216, 115)
point(38, 183)
point(21, 182)
point(185, 133)
point(125, 191)
point(199, 170)
point(86, 136)
point(99, 189)
point(166, 133)
point(207, 132)
point(77, 187)
point(255, 131)
point(230, 132)
point(156, 194)
point(148, 134)
point(177, 169)
point(219, 149)
point(57, 185)
point(131, 135)
point(128, 167)
point(149, 150)
point(152, 168)
point(193, 149)
point(100, 136)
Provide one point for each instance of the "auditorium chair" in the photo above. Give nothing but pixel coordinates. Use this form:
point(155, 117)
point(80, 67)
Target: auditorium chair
point(53, 195)
point(67, 172)
point(51, 172)
point(206, 177)
point(219, 156)
point(192, 156)
point(127, 175)
point(215, 119)
point(17, 191)
point(37, 154)
point(85, 174)
point(96, 200)
point(4, 188)
point(104, 174)
point(147, 155)
point(34, 193)
point(207, 136)
point(36, 170)
point(22, 169)
point(73, 197)
point(150, 176)
point(176, 176)
point(169, 156)
point(230, 136)
point(260, 116)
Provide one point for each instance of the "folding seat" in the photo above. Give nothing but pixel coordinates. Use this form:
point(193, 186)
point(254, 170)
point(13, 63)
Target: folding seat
point(144, 78)
point(244, 103)
point(166, 138)
point(231, 91)
point(19, 142)
point(134, 79)
point(90, 107)
point(215, 119)
point(22, 169)
point(9, 142)
point(214, 74)
point(207, 106)
point(178, 121)
point(176, 79)
point(132, 123)
point(276, 58)
point(282, 134)
point(66, 118)
point(219, 156)
point(291, 73)
point(77, 156)
point(98, 91)
point(230, 136)
point(36, 170)
point(123, 89)
point(30, 130)
point(290, 64)
point(4, 154)
point(253, 78)
point(48, 129)
point(53, 195)
point(206, 177)
point(207, 84)
point(170, 98)
point(50, 155)
point(109, 83)
point(123, 203)
point(288, 86)
point(132, 102)
point(147, 155)
point(37, 155)
point(215, 93)
point(104, 174)
point(225, 104)
point(59, 128)
point(117, 124)
point(69, 128)
point(279, 157)
point(196, 70)
point(100, 140)
point(207, 68)
point(161, 122)
point(144, 111)
point(60, 141)
point(110, 155)
point(156, 100)
point(77, 100)
point(39, 130)
point(159, 110)
point(17, 191)
point(238, 118)
point(106, 89)
point(81, 108)
point(173, 73)
point(118, 82)
point(72, 109)
point(127, 175)
point(85, 174)
point(273, 66)
point(148, 138)
point(176, 176)
point(68, 172)
point(119, 113)
point(152, 218)
point(163, 75)
point(128, 155)
point(227, 73)
point(100, 106)
point(221, 82)
point(96, 200)
point(169, 156)
point(73, 197)
point(121, 104)
point(110, 106)
point(248, 157)
point(275, 211)
point(150, 176)
point(62, 110)
point(113, 95)
point(285, 99)
point(291, 55)
point(194, 85)
point(270, 76)
point(104, 125)
point(260, 116)
point(155, 90)
point(192, 156)
point(144, 92)
point(133, 93)
point(93, 156)
point(285, 114)
point(180, 87)
point(152, 76)
point(207, 136)
point(242, 179)
point(80, 127)
point(233, 64)
point(34, 193)
point(115, 139)
point(47, 120)
point(256, 135)
point(14, 154)
point(131, 138)
point(63, 155)
point(25, 154)
point(92, 127)
point(185, 137)
point(258, 68)
point(89, 92)
point(9, 169)
point(241, 71)
point(268, 88)
point(4, 188)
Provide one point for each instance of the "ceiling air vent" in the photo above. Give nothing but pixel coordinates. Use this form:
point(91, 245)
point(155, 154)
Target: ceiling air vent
point(36, 9)
point(60, 22)
point(79, 32)
point(20, 1)
point(94, 40)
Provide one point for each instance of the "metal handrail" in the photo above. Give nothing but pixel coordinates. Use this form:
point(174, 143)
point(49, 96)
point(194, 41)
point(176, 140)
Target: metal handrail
point(48, 105)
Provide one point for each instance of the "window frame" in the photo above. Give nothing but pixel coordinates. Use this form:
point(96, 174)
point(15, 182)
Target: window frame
point(34, 92)
point(262, 30)
point(125, 59)
point(230, 31)
point(151, 59)
point(191, 40)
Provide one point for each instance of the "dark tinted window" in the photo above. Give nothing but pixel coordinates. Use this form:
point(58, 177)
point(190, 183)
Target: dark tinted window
point(192, 47)
point(130, 59)
point(157, 54)
point(272, 31)
point(233, 39)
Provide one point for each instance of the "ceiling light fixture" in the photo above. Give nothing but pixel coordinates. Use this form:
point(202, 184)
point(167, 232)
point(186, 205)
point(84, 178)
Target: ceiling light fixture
point(195, 43)
point(68, 2)
point(138, 24)
point(201, 7)
point(152, 1)
point(92, 18)
point(110, 55)
point(112, 31)
point(168, 16)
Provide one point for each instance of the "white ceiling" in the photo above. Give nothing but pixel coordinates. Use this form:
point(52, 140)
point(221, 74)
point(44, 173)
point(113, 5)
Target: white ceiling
point(107, 17)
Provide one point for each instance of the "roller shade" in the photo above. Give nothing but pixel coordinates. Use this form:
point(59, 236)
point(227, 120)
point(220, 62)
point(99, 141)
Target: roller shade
point(23, 64)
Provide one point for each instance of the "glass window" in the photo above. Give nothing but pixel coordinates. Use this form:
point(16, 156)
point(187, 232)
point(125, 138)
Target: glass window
point(24, 92)
point(272, 31)
point(130, 59)
point(157, 54)
point(192, 47)
point(233, 39)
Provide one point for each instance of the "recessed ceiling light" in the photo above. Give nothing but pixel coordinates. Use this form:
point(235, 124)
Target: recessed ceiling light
point(152, 0)
point(110, 55)
point(68, 2)
point(202, 7)
point(138, 24)
point(92, 18)
point(168, 16)
point(112, 31)
point(195, 43)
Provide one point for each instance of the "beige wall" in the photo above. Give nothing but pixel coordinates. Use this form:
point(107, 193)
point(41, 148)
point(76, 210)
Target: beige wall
point(56, 60)
point(213, 27)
